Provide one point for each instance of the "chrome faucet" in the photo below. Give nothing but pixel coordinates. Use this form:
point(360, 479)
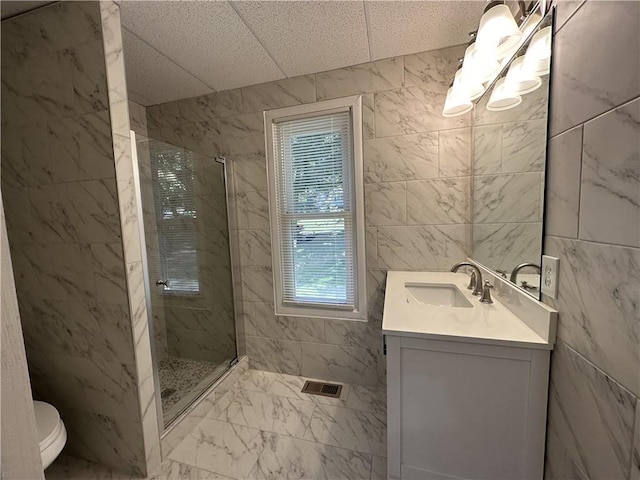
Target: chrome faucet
point(514, 273)
point(477, 291)
point(486, 293)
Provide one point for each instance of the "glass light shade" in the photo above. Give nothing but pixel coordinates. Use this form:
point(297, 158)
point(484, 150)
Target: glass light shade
point(456, 103)
point(503, 97)
point(498, 32)
point(471, 86)
point(520, 78)
point(482, 66)
point(538, 56)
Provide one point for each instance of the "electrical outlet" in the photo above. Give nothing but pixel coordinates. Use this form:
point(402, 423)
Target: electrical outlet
point(549, 276)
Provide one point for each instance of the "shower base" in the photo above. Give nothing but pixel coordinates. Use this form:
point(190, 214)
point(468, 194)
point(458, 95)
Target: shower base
point(182, 380)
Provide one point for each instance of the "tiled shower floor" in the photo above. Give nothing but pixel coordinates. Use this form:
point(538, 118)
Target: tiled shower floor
point(270, 430)
point(183, 379)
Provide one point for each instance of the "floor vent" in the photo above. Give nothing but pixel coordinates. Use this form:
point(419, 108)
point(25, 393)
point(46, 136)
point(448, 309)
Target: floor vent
point(321, 388)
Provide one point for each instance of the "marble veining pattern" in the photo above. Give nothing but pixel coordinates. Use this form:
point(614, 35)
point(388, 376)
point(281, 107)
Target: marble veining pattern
point(611, 178)
point(592, 414)
point(242, 436)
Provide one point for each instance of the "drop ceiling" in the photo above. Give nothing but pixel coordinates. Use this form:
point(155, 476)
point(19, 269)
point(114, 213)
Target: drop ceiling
point(181, 49)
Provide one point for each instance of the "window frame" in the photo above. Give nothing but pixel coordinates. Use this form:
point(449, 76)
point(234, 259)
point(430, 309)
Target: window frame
point(353, 105)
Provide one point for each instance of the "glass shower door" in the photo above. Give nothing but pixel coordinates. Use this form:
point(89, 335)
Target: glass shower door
point(184, 203)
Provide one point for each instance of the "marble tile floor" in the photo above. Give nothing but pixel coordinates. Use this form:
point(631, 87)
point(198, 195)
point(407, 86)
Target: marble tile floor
point(182, 380)
point(271, 430)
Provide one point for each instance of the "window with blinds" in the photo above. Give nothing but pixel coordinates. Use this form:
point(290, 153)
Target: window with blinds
point(175, 202)
point(315, 176)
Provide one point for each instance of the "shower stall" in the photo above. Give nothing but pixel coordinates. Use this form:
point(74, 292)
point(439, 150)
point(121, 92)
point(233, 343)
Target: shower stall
point(188, 270)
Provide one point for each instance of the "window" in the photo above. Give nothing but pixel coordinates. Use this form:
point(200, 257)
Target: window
point(175, 204)
point(314, 164)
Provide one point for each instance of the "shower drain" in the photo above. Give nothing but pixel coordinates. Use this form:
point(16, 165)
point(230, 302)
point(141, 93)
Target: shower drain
point(321, 388)
point(167, 392)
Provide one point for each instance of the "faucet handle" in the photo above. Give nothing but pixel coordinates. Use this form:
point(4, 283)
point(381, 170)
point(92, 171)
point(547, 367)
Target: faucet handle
point(472, 281)
point(486, 293)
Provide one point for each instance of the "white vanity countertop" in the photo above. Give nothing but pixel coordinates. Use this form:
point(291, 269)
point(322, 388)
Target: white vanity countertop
point(492, 324)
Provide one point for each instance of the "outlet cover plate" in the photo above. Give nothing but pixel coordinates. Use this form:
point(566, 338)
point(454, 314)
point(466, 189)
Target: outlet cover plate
point(549, 276)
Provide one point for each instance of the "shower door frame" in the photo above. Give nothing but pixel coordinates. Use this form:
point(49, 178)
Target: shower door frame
point(236, 287)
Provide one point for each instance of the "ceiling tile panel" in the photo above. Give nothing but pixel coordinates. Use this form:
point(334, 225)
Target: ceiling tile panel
point(207, 38)
point(151, 77)
point(402, 27)
point(309, 36)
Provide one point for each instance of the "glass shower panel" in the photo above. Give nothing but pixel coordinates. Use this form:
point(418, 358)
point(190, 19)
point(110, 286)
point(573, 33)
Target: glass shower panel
point(184, 203)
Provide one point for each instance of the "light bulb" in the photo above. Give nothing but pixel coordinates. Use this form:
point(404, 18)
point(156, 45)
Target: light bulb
point(503, 97)
point(538, 56)
point(498, 32)
point(520, 78)
point(470, 87)
point(479, 65)
point(456, 103)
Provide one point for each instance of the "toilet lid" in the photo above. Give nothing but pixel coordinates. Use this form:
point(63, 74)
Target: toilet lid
point(47, 421)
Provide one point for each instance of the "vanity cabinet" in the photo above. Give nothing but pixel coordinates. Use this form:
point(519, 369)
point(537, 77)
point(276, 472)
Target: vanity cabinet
point(460, 410)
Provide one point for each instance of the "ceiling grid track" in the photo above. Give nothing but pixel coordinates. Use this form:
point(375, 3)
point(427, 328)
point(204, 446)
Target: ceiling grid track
point(368, 27)
point(258, 39)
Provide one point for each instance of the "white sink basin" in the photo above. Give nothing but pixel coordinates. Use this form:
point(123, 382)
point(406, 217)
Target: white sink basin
point(437, 294)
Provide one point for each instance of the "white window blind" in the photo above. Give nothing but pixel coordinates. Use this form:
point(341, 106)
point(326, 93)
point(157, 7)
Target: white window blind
point(315, 207)
point(175, 204)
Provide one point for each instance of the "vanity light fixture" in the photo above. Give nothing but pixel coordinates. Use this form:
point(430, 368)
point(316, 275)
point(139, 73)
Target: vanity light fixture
point(457, 102)
point(498, 33)
point(538, 56)
point(468, 85)
point(521, 78)
point(503, 97)
point(479, 65)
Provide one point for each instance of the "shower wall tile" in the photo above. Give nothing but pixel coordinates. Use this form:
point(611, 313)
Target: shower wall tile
point(422, 247)
point(522, 148)
point(261, 355)
point(591, 414)
point(454, 153)
point(563, 184)
point(109, 273)
point(253, 210)
point(88, 77)
point(635, 458)
point(25, 156)
point(81, 148)
point(583, 90)
point(407, 157)
point(267, 324)
point(487, 157)
point(138, 118)
point(255, 247)
point(413, 110)
point(441, 201)
point(250, 172)
point(599, 311)
point(339, 363)
point(278, 94)
point(195, 109)
point(365, 78)
point(505, 245)
point(611, 178)
point(433, 69)
point(507, 198)
point(385, 203)
point(228, 103)
point(242, 134)
point(199, 345)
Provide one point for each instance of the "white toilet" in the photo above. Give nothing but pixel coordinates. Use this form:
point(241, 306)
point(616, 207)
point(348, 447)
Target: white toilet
point(51, 432)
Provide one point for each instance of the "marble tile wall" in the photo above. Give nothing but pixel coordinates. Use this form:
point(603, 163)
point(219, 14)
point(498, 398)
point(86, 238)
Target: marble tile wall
point(509, 164)
point(593, 226)
point(20, 450)
point(64, 140)
point(417, 191)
